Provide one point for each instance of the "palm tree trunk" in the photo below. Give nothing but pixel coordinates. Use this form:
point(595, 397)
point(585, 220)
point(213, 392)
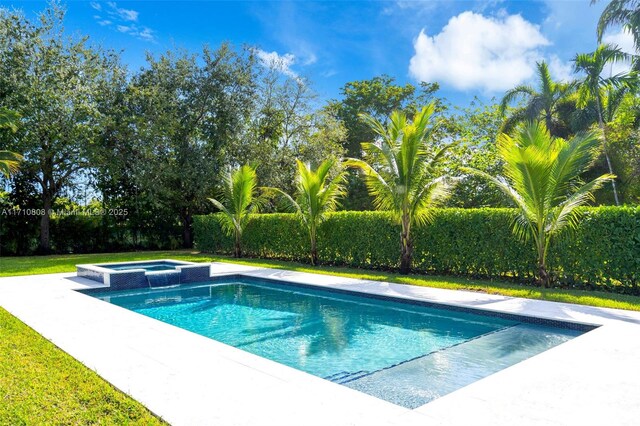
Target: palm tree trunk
point(543, 275)
point(606, 151)
point(407, 247)
point(314, 247)
point(237, 248)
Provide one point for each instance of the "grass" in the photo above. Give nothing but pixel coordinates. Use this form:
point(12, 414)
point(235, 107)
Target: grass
point(10, 266)
point(41, 384)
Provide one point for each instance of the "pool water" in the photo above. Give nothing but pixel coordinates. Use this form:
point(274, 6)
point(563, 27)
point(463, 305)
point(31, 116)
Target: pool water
point(147, 266)
point(401, 352)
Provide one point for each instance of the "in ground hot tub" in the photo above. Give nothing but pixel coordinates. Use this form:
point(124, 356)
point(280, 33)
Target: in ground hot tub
point(148, 273)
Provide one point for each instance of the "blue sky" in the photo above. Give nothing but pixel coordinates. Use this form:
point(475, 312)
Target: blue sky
point(472, 48)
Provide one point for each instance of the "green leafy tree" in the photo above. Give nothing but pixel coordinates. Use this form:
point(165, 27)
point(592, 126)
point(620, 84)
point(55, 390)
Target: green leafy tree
point(542, 177)
point(594, 83)
point(541, 103)
point(53, 81)
point(9, 161)
point(621, 12)
point(475, 129)
point(187, 109)
point(623, 134)
point(284, 125)
point(317, 193)
point(240, 199)
point(403, 172)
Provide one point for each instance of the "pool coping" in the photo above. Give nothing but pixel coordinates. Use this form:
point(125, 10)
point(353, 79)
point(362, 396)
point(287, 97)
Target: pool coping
point(132, 352)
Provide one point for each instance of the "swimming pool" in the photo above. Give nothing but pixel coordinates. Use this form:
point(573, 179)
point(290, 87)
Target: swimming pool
point(401, 352)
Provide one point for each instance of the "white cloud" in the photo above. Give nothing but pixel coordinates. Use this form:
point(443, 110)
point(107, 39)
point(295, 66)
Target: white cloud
point(147, 34)
point(624, 40)
point(124, 14)
point(560, 70)
point(281, 63)
point(310, 59)
point(474, 51)
point(122, 20)
point(143, 33)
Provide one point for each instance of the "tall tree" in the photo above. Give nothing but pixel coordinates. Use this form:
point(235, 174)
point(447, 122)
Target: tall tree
point(187, 109)
point(541, 103)
point(542, 178)
point(53, 82)
point(475, 130)
point(594, 83)
point(284, 125)
point(240, 198)
point(403, 174)
point(621, 12)
point(317, 194)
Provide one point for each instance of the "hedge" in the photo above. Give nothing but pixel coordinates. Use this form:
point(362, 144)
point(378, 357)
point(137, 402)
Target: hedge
point(82, 234)
point(604, 253)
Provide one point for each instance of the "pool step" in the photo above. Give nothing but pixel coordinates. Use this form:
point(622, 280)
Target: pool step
point(421, 380)
point(346, 376)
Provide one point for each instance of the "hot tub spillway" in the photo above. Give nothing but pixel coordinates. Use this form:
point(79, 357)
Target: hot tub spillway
point(146, 274)
point(163, 278)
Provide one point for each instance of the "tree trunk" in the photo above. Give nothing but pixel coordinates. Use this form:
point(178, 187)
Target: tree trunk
point(237, 247)
point(606, 151)
point(314, 251)
point(407, 247)
point(45, 222)
point(187, 230)
point(543, 275)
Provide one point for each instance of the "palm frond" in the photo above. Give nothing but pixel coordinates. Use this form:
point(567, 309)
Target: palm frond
point(512, 95)
point(9, 162)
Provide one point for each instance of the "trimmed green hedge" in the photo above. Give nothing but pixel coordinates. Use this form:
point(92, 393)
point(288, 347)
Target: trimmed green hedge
point(476, 242)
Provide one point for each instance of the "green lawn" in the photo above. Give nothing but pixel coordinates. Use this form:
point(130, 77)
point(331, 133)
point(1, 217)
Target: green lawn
point(40, 384)
point(66, 263)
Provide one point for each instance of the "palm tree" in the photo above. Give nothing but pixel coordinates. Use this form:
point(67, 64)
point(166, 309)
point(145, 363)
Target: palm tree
point(621, 12)
point(541, 103)
point(591, 87)
point(403, 173)
point(240, 197)
point(317, 194)
point(9, 161)
point(541, 176)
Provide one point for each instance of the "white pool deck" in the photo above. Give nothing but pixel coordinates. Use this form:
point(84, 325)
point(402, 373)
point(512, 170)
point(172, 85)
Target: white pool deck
point(188, 379)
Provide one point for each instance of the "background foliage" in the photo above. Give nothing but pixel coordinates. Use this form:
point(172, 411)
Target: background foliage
point(155, 140)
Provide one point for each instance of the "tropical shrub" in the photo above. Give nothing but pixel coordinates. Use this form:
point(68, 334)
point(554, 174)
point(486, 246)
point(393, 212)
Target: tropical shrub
point(317, 194)
point(402, 173)
point(542, 178)
point(239, 198)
